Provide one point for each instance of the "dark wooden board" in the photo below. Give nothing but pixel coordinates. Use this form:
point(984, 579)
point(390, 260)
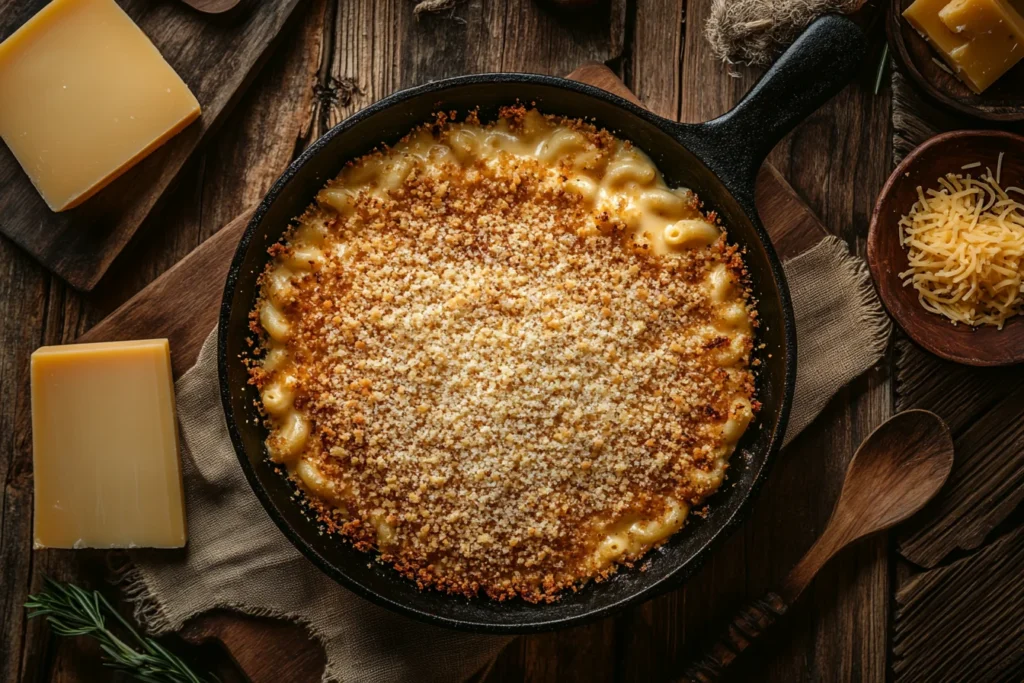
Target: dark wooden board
point(986, 485)
point(1002, 101)
point(182, 304)
point(216, 56)
point(944, 619)
point(960, 619)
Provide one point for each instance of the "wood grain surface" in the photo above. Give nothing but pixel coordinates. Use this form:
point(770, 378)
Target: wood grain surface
point(959, 619)
point(341, 55)
point(215, 56)
point(937, 638)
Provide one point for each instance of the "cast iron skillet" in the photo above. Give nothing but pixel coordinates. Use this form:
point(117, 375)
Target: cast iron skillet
point(719, 159)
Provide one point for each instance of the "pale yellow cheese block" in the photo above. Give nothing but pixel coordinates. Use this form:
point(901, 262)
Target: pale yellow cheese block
point(994, 34)
point(923, 15)
point(84, 95)
point(105, 447)
point(980, 39)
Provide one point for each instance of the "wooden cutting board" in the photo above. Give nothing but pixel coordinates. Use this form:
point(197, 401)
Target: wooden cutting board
point(183, 303)
point(215, 55)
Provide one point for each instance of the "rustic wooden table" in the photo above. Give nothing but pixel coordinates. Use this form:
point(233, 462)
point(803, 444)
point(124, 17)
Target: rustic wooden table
point(336, 57)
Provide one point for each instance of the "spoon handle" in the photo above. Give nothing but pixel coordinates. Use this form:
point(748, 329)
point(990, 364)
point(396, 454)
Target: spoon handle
point(751, 621)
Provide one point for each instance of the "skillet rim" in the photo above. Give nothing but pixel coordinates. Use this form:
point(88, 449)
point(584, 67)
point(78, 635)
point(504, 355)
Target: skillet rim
point(676, 577)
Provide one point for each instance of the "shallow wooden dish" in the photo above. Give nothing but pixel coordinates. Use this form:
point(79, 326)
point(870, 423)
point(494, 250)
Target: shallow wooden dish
point(942, 154)
point(1003, 101)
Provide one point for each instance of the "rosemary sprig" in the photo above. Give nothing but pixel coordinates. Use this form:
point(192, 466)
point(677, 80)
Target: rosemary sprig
point(72, 611)
point(882, 66)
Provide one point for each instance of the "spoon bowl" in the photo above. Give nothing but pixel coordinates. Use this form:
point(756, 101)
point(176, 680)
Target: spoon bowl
point(212, 6)
point(896, 470)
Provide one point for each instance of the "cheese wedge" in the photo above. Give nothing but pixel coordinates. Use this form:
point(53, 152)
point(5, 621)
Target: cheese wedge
point(980, 39)
point(994, 35)
point(105, 447)
point(84, 95)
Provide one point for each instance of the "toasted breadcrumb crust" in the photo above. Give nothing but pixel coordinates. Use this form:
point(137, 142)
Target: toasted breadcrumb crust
point(500, 375)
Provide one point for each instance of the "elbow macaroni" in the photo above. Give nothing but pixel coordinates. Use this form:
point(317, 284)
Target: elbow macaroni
point(621, 182)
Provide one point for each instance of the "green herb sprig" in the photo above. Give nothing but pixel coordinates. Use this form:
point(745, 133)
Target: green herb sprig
point(72, 611)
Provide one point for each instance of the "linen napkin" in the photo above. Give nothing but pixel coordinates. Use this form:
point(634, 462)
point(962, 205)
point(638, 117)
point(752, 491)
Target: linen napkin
point(237, 558)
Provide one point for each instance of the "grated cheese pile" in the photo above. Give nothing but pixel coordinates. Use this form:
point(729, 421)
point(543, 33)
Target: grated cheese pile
point(965, 247)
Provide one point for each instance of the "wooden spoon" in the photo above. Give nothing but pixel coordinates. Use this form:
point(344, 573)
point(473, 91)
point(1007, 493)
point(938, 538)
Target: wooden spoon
point(897, 469)
point(212, 6)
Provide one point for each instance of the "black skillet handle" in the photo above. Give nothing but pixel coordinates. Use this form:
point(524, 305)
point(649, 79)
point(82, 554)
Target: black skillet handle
point(818, 65)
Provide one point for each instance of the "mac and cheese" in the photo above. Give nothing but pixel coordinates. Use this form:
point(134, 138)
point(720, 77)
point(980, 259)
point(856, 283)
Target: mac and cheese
point(507, 356)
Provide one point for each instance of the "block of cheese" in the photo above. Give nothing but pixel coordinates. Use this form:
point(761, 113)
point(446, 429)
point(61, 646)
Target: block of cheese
point(980, 39)
point(105, 447)
point(84, 95)
point(973, 17)
point(994, 34)
point(923, 15)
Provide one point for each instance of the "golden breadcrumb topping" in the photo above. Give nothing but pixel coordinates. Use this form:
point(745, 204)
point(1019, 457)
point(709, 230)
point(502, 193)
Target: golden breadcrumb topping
point(498, 376)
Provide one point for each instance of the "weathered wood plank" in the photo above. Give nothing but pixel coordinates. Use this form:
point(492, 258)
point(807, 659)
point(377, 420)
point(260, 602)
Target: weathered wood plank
point(957, 393)
point(23, 298)
point(964, 621)
point(986, 485)
point(216, 57)
point(657, 55)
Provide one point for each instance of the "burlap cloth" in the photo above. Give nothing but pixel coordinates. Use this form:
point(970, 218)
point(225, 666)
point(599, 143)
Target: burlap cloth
point(237, 558)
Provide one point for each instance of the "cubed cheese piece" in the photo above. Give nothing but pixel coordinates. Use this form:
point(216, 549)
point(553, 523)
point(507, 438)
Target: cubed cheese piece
point(980, 39)
point(84, 95)
point(995, 39)
point(105, 447)
point(923, 15)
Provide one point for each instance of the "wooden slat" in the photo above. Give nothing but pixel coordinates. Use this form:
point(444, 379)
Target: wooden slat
point(215, 56)
point(965, 621)
point(181, 304)
point(957, 393)
point(985, 486)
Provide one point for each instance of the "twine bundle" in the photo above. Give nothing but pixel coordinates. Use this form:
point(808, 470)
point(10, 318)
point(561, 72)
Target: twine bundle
point(754, 32)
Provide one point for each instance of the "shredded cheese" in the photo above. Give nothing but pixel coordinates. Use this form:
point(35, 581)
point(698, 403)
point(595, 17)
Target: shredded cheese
point(965, 246)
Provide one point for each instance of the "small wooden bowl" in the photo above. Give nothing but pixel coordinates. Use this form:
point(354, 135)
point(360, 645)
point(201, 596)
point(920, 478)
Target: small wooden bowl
point(1003, 101)
point(942, 154)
